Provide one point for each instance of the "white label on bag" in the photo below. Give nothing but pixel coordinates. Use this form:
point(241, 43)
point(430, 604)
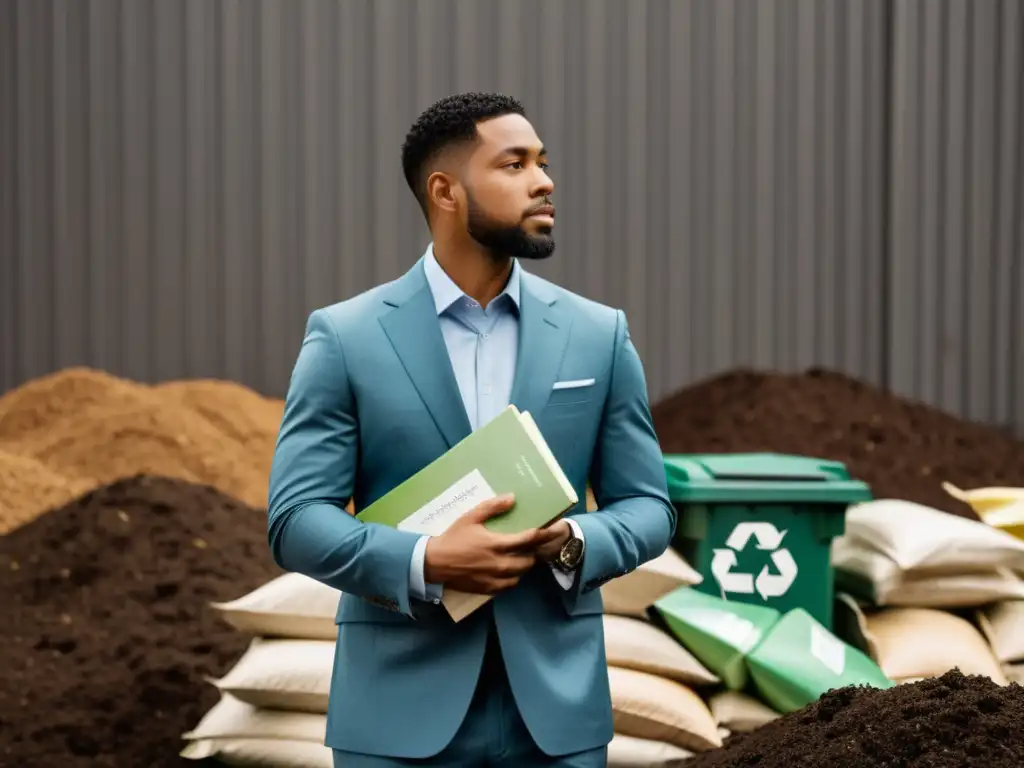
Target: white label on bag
point(434, 517)
point(828, 650)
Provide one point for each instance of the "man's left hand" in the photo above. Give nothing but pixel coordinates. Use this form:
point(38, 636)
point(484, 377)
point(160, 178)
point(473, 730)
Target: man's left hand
point(560, 532)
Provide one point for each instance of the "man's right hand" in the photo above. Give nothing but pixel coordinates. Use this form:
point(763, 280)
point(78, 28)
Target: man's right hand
point(470, 557)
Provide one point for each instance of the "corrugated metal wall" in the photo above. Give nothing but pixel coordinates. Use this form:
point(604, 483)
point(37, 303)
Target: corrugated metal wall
point(957, 253)
point(777, 184)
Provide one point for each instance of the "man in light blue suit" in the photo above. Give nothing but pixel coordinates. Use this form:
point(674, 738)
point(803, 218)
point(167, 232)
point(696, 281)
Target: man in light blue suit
point(386, 382)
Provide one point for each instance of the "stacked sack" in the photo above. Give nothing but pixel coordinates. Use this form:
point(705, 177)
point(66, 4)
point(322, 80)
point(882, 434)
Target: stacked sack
point(658, 687)
point(273, 705)
point(923, 592)
point(1001, 623)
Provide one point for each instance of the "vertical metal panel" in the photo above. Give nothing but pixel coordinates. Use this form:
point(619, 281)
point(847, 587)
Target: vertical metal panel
point(33, 163)
point(317, 129)
point(70, 152)
point(774, 246)
point(355, 166)
point(11, 331)
point(136, 43)
point(201, 320)
point(958, 137)
point(241, 192)
point(187, 181)
point(657, 137)
point(1008, 374)
point(103, 123)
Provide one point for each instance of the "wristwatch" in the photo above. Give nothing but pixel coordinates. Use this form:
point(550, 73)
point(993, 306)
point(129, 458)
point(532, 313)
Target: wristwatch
point(571, 554)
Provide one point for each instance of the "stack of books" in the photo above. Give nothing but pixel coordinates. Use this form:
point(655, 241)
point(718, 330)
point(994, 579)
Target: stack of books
point(506, 455)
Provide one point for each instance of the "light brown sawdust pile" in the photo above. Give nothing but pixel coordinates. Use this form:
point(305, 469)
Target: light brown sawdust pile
point(45, 402)
point(236, 410)
point(28, 487)
point(65, 434)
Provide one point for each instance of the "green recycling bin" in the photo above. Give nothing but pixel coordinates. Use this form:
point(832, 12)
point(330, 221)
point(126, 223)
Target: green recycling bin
point(759, 526)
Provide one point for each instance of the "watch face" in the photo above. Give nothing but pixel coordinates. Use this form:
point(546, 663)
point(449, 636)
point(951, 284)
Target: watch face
point(571, 553)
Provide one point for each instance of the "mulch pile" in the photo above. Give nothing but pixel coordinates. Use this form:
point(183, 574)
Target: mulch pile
point(107, 634)
point(953, 721)
point(901, 448)
point(78, 429)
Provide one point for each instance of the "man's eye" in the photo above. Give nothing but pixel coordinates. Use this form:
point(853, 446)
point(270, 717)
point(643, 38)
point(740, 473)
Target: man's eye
point(515, 165)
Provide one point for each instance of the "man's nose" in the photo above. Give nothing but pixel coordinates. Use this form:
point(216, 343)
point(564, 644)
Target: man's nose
point(545, 186)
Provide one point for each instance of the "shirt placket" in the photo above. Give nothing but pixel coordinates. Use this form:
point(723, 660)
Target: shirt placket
point(482, 325)
point(485, 370)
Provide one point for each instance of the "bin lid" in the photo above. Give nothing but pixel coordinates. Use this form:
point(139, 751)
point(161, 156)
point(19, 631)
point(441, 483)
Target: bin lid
point(761, 477)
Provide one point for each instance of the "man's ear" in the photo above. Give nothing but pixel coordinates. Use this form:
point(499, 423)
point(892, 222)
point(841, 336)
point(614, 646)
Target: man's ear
point(441, 191)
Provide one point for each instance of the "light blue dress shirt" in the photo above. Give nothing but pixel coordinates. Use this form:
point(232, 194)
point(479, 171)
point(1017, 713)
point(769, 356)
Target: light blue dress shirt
point(482, 344)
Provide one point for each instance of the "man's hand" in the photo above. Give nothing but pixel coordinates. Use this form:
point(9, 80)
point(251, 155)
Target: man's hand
point(560, 532)
point(471, 558)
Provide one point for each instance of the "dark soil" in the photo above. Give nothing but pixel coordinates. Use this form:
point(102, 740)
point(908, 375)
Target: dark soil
point(901, 448)
point(948, 722)
point(106, 630)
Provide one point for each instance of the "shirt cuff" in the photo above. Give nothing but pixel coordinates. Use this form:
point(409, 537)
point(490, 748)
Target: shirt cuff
point(418, 587)
point(566, 580)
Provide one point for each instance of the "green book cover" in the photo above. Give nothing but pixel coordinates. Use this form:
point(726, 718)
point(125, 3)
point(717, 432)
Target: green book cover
point(506, 455)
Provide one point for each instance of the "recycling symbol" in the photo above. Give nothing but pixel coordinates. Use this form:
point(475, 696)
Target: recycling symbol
point(767, 584)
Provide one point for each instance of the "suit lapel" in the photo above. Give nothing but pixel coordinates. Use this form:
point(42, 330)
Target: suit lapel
point(413, 329)
point(543, 333)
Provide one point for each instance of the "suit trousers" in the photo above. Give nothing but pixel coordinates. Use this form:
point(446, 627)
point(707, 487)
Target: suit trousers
point(493, 735)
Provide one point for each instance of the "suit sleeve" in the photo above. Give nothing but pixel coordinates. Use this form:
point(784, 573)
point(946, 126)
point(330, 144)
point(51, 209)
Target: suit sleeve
point(312, 479)
point(635, 521)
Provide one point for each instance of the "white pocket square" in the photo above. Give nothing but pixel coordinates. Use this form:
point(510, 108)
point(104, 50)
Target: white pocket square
point(574, 384)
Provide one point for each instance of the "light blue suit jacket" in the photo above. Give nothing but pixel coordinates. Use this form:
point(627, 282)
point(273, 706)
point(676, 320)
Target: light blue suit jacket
point(372, 400)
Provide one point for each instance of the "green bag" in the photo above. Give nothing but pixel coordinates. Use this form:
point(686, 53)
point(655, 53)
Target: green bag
point(799, 660)
point(718, 632)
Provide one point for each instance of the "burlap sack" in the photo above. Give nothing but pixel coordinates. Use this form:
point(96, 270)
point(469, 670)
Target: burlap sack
point(875, 577)
point(231, 718)
point(986, 500)
point(916, 643)
point(654, 708)
point(291, 606)
point(293, 675)
point(241, 734)
point(630, 752)
point(739, 712)
point(261, 753)
point(634, 593)
point(925, 540)
point(624, 752)
point(1009, 519)
point(1002, 624)
point(634, 644)
point(849, 623)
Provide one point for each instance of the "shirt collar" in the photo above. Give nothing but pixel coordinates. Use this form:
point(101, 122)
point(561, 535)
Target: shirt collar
point(446, 292)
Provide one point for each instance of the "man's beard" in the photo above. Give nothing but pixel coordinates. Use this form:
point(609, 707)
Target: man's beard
point(504, 241)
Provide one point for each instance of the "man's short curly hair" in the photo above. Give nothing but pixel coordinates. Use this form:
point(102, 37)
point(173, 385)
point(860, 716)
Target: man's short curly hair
point(449, 121)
